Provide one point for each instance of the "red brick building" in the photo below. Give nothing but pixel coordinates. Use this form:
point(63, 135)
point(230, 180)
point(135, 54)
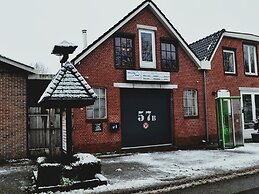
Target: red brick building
point(149, 85)
point(234, 67)
point(13, 108)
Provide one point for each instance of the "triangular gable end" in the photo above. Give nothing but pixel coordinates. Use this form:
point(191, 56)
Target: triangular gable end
point(161, 17)
point(68, 89)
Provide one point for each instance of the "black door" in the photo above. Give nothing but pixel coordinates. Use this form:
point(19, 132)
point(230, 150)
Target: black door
point(145, 117)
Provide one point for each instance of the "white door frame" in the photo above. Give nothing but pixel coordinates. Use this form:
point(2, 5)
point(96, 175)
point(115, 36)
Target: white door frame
point(252, 92)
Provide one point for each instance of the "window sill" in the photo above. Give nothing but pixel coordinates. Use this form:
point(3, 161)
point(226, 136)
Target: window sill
point(251, 75)
point(231, 74)
point(191, 117)
point(96, 120)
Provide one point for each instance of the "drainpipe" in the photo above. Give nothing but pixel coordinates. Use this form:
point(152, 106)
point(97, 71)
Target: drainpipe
point(205, 107)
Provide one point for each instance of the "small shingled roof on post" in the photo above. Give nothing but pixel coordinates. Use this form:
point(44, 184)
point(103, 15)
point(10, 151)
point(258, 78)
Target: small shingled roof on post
point(68, 88)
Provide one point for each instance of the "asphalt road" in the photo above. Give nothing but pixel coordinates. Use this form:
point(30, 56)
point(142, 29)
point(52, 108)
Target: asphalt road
point(248, 184)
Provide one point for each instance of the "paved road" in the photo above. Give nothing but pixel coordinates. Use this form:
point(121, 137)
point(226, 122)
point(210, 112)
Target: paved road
point(242, 185)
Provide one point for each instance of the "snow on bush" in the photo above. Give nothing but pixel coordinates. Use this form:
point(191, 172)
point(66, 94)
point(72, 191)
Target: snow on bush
point(84, 158)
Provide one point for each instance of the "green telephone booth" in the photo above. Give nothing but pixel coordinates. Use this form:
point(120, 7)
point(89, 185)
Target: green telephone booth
point(229, 122)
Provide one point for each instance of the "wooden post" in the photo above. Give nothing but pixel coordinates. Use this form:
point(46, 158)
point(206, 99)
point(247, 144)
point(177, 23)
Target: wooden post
point(69, 133)
point(52, 146)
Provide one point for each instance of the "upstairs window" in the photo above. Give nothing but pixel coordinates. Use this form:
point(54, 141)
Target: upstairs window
point(168, 56)
point(124, 52)
point(250, 60)
point(229, 61)
point(147, 49)
point(99, 109)
point(190, 102)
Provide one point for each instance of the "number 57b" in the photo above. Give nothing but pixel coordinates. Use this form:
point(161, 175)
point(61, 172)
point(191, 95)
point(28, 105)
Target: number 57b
point(146, 115)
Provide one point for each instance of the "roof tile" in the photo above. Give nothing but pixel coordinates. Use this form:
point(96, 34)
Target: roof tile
point(205, 47)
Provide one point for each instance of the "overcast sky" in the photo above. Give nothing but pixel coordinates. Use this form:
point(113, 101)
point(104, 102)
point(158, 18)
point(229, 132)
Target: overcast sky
point(31, 28)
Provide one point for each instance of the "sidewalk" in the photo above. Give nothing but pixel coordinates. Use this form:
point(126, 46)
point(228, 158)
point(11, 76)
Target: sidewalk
point(159, 169)
point(142, 171)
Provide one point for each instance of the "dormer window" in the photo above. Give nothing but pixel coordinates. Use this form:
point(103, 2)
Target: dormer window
point(147, 46)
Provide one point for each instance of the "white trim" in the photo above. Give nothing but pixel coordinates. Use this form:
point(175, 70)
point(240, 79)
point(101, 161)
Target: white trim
point(147, 146)
point(237, 35)
point(252, 92)
point(216, 48)
point(248, 89)
point(249, 59)
point(17, 64)
point(234, 60)
point(145, 86)
point(144, 27)
point(243, 36)
point(160, 18)
point(147, 64)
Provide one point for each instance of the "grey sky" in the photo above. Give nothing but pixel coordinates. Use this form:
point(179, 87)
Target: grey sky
point(30, 28)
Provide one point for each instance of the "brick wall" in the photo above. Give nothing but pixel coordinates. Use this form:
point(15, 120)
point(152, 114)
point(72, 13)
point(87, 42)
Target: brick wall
point(98, 66)
point(12, 113)
point(216, 79)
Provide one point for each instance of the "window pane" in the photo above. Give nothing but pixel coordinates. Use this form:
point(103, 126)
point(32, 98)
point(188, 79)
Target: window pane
point(163, 55)
point(117, 41)
point(90, 113)
point(168, 47)
point(247, 108)
point(168, 56)
point(129, 43)
point(98, 110)
point(102, 113)
point(163, 46)
point(146, 43)
point(172, 47)
point(96, 114)
point(246, 60)
point(252, 57)
point(123, 42)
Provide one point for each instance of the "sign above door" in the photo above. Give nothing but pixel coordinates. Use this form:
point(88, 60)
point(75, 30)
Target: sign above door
point(149, 76)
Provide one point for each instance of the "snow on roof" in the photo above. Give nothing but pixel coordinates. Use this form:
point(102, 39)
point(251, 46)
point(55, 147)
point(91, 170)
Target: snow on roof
point(68, 85)
point(84, 158)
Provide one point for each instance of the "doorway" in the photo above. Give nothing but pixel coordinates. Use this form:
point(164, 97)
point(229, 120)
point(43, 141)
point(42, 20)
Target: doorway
point(250, 105)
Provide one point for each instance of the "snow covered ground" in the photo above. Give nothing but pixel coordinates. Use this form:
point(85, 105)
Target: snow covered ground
point(140, 170)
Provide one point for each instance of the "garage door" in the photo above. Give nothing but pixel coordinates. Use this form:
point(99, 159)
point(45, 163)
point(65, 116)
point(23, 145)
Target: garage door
point(145, 117)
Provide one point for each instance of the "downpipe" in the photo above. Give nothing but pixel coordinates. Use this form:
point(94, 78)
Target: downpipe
point(205, 107)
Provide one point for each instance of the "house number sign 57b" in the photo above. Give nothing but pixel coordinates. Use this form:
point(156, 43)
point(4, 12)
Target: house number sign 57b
point(146, 116)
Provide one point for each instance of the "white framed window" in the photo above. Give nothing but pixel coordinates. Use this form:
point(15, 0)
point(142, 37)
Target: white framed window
point(99, 109)
point(250, 60)
point(147, 48)
point(229, 61)
point(190, 103)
